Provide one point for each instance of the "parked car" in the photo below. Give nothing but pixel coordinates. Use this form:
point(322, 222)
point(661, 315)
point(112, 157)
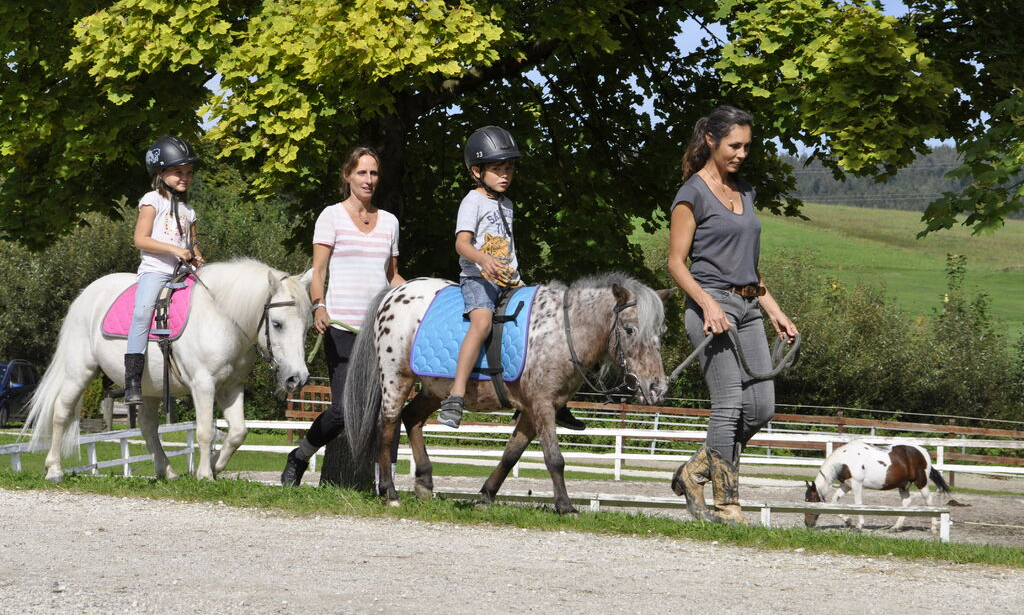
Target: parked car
point(18, 379)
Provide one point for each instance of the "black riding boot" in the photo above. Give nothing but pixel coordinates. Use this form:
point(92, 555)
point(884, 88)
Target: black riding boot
point(134, 364)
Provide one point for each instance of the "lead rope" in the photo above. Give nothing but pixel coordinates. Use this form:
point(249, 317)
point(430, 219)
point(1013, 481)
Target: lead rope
point(783, 361)
point(320, 338)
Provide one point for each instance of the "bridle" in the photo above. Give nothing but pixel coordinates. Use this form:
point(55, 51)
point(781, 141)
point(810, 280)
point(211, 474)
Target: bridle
point(265, 323)
point(630, 380)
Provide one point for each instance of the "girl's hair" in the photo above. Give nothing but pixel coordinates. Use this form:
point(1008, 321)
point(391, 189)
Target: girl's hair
point(717, 125)
point(350, 164)
point(159, 186)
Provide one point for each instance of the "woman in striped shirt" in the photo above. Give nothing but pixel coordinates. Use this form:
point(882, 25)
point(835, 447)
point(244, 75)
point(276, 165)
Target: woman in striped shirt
point(359, 245)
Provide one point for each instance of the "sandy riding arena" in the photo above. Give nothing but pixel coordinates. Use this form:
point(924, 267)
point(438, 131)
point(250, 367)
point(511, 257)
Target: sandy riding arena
point(72, 553)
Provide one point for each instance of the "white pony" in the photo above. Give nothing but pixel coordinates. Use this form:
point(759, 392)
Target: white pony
point(240, 308)
point(858, 465)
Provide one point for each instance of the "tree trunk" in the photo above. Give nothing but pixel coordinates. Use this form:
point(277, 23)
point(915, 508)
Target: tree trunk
point(387, 135)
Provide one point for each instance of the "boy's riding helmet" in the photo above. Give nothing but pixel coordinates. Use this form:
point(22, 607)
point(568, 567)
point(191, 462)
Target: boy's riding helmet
point(490, 144)
point(168, 151)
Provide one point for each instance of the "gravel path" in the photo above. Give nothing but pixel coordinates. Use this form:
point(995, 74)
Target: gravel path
point(79, 553)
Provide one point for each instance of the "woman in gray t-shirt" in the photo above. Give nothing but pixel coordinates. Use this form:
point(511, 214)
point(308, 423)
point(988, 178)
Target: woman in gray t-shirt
point(713, 223)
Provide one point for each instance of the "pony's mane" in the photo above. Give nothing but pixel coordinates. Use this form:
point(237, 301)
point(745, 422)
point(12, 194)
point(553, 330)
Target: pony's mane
point(240, 286)
point(650, 310)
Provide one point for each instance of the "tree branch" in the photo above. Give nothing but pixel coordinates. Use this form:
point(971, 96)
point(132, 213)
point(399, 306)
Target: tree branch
point(450, 89)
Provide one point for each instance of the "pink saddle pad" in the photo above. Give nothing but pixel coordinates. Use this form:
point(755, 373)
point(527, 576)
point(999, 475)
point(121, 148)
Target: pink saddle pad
point(119, 316)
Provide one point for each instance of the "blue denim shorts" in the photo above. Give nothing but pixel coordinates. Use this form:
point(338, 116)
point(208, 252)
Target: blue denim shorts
point(478, 293)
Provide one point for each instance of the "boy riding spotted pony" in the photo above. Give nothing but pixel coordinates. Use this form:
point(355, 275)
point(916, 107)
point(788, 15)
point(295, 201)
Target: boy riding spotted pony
point(487, 256)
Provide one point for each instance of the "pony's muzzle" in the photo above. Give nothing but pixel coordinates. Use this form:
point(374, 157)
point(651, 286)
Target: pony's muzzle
point(296, 381)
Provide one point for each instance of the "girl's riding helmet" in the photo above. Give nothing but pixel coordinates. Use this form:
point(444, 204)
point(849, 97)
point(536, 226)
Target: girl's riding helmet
point(168, 151)
point(490, 144)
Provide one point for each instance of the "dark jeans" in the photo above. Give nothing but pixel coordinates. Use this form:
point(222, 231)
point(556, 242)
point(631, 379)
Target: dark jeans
point(337, 346)
point(740, 405)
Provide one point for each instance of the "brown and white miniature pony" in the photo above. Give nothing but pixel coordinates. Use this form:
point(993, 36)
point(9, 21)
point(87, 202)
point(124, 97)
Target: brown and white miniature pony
point(610, 316)
point(858, 464)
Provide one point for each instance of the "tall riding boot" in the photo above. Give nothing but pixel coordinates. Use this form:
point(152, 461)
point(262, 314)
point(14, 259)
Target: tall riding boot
point(134, 364)
point(725, 490)
point(689, 481)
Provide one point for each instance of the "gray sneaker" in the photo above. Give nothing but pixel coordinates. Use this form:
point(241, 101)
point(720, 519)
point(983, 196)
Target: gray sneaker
point(451, 411)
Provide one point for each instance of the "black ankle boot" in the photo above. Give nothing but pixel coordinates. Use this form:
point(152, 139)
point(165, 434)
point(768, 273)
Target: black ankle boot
point(292, 475)
point(565, 418)
point(134, 364)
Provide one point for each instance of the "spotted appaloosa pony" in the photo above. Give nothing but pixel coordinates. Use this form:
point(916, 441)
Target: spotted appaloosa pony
point(242, 307)
point(859, 465)
point(610, 316)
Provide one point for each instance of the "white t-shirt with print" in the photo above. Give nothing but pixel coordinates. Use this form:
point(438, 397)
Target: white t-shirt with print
point(165, 230)
point(358, 266)
point(481, 216)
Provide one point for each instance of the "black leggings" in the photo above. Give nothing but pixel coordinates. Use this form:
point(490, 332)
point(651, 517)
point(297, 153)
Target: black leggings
point(337, 346)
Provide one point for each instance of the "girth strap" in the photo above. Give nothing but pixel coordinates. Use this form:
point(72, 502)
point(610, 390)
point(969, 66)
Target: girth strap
point(493, 344)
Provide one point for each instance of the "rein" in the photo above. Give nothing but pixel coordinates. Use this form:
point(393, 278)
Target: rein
point(620, 354)
point(781, 359)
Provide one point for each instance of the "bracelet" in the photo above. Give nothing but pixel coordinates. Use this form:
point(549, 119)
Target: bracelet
point(317, 306)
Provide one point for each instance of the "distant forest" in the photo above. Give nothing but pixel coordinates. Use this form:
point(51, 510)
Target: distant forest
point(913, 188)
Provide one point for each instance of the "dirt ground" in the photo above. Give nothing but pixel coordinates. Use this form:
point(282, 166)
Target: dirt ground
point(83, 553)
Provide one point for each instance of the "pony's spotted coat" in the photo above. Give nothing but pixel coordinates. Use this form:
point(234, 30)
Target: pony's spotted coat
point(380, 380)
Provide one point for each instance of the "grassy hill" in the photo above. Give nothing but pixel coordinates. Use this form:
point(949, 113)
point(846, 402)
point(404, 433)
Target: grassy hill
point(878, 246)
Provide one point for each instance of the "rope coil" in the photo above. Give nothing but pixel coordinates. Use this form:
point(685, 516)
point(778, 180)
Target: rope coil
point(782, 358)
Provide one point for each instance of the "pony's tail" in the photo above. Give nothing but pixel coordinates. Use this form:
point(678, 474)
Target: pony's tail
point(937, 479)
point(44, 399)
point(361, 405)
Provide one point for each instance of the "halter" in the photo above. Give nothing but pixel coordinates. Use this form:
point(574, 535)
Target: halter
point(265, 323)
point(628, 376)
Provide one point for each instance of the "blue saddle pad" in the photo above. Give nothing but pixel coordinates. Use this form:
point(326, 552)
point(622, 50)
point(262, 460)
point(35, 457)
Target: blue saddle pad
point(437, 341)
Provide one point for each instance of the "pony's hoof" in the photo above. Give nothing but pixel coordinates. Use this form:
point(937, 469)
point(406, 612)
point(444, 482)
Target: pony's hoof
point(423, 493)
point(393, 503)
point(55, 478)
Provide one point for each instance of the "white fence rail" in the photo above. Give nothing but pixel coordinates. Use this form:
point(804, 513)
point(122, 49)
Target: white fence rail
point(617, 452)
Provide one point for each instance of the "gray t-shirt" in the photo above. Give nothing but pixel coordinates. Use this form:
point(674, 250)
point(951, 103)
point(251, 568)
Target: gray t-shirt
point(726, 245)
point(481, 216)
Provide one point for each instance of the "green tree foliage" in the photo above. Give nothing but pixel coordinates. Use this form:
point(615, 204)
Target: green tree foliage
point(599, 93)
point(980, 43)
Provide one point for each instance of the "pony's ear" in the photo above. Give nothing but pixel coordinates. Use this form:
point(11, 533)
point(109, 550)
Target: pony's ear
point(621, 294)
point(306, 278)
point(807, 484)
point(665, 293)
point(275, 284)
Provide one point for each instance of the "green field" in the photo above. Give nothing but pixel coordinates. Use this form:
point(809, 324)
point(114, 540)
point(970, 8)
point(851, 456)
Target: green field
point(878, 246)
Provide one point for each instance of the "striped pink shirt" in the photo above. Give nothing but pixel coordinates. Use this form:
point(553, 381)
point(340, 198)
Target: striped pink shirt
point(358, 266)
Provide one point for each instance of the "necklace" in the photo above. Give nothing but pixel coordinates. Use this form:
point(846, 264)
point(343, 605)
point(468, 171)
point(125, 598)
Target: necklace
point(360, 213)
point(725, 191)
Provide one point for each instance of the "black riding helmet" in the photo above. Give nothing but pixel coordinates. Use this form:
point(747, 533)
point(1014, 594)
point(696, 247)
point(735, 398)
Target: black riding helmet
point(490, 144)
point(167, 152)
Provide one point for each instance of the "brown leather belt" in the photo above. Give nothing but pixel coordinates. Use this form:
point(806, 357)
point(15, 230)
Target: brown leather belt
point(747, 291)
